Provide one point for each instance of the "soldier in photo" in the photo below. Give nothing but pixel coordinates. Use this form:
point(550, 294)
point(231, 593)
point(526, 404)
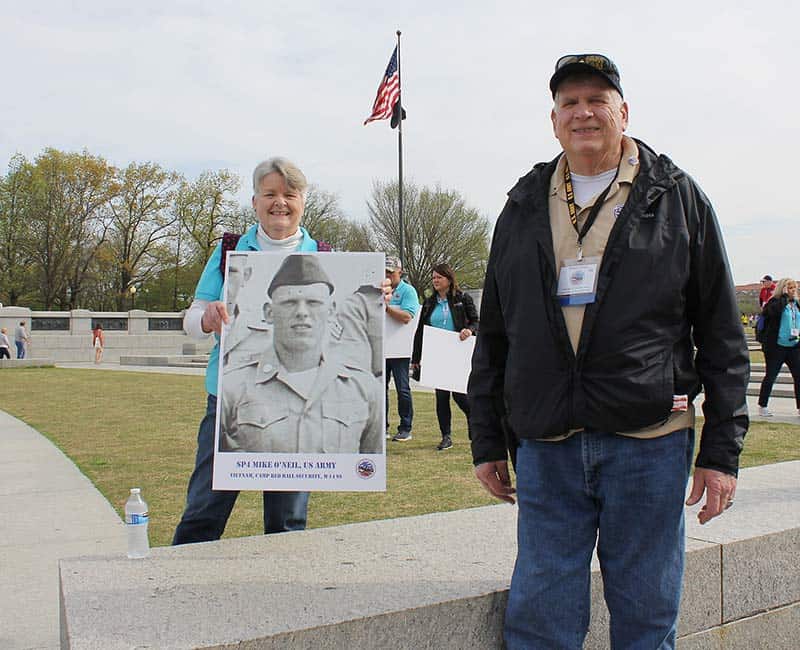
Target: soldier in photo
point(299, 396)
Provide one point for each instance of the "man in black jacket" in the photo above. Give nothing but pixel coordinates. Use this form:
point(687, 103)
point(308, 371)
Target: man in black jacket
point(607, 269)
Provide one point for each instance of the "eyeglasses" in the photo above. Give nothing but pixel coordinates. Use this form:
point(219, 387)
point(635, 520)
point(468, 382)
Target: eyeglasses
point(596, 61)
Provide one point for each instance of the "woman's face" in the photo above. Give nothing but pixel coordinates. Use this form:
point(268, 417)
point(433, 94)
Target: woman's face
point(791, 289)
point(440, 282)
point(279, 207)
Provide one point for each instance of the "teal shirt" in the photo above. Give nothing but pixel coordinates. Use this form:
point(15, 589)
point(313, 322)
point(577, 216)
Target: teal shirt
point(790, 319)
point(405, 297)
point(209, 288)
point(441, 316)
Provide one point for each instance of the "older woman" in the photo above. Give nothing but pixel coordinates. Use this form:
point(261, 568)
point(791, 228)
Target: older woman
point(450, 309)
point(780, 341)
point(279, 195)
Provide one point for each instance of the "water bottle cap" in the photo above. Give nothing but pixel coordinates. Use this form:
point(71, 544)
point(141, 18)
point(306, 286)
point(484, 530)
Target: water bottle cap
point(136, 490)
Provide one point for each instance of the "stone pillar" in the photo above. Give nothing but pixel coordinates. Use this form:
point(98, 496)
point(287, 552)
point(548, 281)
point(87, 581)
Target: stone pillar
point(138, 321)
point(80, 321)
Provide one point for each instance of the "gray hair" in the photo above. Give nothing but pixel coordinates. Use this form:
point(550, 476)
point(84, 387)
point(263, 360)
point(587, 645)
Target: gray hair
point(291, 173)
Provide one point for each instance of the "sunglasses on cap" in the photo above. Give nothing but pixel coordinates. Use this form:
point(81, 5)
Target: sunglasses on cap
point(597, 61)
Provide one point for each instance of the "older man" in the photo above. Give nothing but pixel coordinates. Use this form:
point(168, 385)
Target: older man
point(402, 308)
point(295, 398)
point(607, 268)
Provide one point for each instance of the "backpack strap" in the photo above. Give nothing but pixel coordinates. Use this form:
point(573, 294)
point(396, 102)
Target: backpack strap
point(229, 241)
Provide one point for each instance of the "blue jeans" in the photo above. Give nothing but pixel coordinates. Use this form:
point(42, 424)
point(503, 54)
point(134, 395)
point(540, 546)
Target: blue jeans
point(398, 368)
point(207, 510)
point(20, 349)
point(625, 493)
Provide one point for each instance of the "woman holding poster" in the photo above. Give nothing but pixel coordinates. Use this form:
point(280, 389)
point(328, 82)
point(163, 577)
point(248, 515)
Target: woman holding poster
point(450, 309)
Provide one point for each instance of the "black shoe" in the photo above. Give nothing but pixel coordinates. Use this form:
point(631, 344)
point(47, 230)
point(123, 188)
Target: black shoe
point(402, 436)
point(446, 443)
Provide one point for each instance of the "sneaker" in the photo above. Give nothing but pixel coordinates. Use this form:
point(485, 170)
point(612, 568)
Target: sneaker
point(764, 412)
point(402, 436)
point(446, 443)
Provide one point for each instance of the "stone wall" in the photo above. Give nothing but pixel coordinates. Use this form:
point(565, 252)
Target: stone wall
point(66, 336)
point(434, 581)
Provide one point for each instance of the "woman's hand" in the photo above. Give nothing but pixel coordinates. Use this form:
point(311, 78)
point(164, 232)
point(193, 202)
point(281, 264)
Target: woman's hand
point(214, 316)
point(464, 334)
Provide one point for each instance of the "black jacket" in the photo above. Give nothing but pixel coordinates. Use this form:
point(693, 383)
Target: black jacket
point(773, 310)
point(664, 287)
point(465, 316)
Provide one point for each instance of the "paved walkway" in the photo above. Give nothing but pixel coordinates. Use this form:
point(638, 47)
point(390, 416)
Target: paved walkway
point(49, 510)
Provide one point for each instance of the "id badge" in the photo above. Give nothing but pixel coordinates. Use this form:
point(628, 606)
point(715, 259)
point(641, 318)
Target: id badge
point(577, 281)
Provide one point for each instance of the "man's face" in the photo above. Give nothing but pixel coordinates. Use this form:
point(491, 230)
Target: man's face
point(589, 118)
point(279, 208)
point(393, 277)
point(299, 314)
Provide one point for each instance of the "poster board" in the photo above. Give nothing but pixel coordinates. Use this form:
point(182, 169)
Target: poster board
point(446, 360)
point(300, 398)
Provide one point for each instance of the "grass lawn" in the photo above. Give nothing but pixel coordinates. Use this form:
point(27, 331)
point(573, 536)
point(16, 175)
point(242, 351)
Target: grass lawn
point(126, 429)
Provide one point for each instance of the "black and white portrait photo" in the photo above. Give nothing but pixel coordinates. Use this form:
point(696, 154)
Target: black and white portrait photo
point(301, 369)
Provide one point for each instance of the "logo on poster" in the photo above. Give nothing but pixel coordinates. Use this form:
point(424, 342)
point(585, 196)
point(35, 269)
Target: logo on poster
point(365, 468)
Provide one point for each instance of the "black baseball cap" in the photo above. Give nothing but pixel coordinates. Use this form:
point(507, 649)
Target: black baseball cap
point(598, 64)
point(767, 278)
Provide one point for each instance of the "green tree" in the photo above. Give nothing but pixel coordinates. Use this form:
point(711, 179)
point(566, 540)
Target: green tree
point(326, 221)
point(141, 219)
point(16, 189)
point(437, 226)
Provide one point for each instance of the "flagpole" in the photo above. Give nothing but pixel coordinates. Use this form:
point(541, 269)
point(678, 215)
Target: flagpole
point(400, 153)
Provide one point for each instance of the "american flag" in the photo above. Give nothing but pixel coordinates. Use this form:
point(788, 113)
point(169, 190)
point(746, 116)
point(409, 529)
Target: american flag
point(388, 92)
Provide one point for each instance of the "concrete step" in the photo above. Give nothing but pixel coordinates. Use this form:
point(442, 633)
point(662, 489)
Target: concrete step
point(777, 391)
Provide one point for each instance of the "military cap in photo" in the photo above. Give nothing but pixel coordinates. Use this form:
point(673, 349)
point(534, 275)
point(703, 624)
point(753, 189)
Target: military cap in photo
point(299, 270)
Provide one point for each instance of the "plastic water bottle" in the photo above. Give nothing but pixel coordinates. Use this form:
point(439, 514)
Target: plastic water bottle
point(136, 519)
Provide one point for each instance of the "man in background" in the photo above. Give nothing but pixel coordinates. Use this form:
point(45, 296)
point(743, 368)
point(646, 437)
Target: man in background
point(402, 307)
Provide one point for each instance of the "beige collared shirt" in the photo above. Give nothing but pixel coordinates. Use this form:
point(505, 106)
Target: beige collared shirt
point(565, 246)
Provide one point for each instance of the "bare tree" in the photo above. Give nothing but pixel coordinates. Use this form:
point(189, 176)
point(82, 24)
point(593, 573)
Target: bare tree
point(437, 227)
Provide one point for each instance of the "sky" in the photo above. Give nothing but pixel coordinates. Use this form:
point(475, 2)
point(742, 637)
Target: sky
point(209, 85)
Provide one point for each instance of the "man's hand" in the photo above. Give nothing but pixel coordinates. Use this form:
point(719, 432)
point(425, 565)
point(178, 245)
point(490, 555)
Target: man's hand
point(464, 334)
point(214, 316)
point(495, 478)
point(720, 489)
point(386, 288)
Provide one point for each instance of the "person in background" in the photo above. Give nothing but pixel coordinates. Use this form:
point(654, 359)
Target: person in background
point(5, 344)
point(780, 341)
point(447, 308)
point(279, 197)
point(402, 307)
point(767, 289)
point(98, 342)
point(21, 339)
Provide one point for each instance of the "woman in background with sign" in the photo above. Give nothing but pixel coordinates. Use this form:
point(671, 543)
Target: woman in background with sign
point(450, 309)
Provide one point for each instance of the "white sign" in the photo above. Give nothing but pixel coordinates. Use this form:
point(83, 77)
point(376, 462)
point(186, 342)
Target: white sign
point(398, 339)
point(300, 397)
point(446, 359)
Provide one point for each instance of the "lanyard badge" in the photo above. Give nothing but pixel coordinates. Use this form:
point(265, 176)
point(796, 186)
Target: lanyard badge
point(577, 278)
